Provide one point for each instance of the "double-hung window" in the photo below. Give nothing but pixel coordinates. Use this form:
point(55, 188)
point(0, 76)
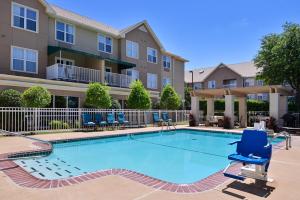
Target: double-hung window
point(166, 81)
point(132, 49)
point(24, 60)
point(65, 32)
point(167, 62)
point(212, 84)
point(151, 55)
point(105, 43)
point(151, 81)
point(24, 17)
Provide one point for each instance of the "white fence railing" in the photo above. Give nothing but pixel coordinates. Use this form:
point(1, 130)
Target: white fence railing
point(26, 120)
point(118, 80)
point(72, 73)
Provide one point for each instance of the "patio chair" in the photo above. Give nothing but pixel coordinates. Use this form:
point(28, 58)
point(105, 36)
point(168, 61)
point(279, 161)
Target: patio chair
point(122, 120)
point(87, 120)
point(254, 152)
point(156, 119)
point(166, 119)
point(99, 121)
point(111, 121)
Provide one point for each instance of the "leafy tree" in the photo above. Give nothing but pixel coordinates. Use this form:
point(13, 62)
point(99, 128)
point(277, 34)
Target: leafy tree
point(115, 104)
point(279, 58)
point(169, 98)
point(10, 98)
point(97, 96)
point(139, 97)
point(36, 97)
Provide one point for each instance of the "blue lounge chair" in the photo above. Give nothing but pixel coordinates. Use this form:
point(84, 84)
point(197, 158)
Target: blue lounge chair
point(87, 120)
point(122, 120)
point(99, 121)
point(156, 119)
point(166, 119)
point(111, 121)
point(254, 152)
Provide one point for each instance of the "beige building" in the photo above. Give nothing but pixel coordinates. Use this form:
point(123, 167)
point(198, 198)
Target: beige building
point(42, 44)
point(227, 76)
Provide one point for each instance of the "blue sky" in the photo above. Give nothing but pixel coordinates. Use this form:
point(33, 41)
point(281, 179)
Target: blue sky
point(206, 32)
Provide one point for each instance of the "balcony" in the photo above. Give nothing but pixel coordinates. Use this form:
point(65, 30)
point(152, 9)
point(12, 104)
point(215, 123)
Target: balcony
point(73, 73)
point(85, 75)
point(118, 80)
point(229, 85)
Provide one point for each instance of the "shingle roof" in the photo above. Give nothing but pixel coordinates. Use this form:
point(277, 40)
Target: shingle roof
point(245, 69)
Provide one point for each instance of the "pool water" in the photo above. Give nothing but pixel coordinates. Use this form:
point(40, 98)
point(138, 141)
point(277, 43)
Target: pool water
point(181, 156)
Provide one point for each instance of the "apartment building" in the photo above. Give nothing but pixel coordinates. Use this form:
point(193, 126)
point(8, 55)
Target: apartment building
point(43, 44)
point(227, 76)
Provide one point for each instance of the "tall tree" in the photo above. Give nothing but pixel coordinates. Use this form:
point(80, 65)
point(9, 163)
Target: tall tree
point(97, 96)
point(169, 98)
point(279, 58)
point(139, 97)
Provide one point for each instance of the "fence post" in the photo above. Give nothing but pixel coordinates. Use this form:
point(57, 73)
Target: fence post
point(79, 118)
point(35, 119)
point(145, 119)
point(139, 118)
point(176, 116)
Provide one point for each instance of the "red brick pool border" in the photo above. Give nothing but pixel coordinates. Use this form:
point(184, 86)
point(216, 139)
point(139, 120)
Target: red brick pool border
point(24, 179)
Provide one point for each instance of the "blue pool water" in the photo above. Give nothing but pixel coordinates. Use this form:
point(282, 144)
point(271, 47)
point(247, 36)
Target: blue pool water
point(181, 156)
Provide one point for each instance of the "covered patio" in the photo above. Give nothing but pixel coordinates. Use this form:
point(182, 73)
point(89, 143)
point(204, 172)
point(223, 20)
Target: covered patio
point(277, 97)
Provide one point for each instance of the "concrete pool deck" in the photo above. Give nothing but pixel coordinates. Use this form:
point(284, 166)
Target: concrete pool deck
point(284, 169)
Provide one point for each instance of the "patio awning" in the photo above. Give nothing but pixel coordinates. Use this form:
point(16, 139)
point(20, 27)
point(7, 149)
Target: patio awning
point(122, 64)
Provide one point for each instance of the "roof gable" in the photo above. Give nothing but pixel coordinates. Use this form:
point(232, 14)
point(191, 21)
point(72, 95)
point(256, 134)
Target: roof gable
point(145, 26)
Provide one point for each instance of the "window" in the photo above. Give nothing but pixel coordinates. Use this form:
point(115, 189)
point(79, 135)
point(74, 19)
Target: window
point(132, 49)
point(166, 62)
point(64, 61)
point(104, 43)
point(65, 32)
point(197, 86)
point(249, 82)
point(212, 84)
point(24, 17)
point(151, 55)
point(133, 73)
point(260, 83)
point(24, 60)
point(229, 83)
point(166, 81)
point(152, 81)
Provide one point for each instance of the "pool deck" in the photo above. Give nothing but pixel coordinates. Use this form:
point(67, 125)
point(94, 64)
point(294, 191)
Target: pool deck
point(284, 169)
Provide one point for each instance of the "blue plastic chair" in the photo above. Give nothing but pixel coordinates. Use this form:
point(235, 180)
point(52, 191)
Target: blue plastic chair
point(122, 120)
point(165, 118)
point(87, 120)
point(253, 148)
point(111, 121)
point(156, 119)
point(99, 120)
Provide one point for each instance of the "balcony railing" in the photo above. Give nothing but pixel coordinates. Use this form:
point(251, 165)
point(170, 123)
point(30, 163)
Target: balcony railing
point(73, 73)
point(118, 80)
point(229, 85)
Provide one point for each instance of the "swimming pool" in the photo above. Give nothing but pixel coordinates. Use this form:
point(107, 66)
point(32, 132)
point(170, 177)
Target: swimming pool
point(181, 156)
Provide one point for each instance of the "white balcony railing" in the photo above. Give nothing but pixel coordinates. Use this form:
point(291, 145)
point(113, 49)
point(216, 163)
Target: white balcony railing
point(72, 73)
point(229, 85)
point(118, 80)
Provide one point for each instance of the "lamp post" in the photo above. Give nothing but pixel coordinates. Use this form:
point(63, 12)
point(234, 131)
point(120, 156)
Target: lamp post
point(192, 72)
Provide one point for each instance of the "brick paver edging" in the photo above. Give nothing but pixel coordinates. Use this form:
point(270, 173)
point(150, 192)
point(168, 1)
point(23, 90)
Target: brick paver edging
point(24, 179)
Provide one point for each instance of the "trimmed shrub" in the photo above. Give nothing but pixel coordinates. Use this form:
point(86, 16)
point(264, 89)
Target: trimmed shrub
point(115, 104)
point(139, 97)
point(36, 97)
point(169, 99)
point(97, 96)
point(10, 98)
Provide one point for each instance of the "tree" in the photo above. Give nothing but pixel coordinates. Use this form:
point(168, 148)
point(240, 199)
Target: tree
point(10, 98)
point(187, 97)
point(115, 104)
point(279, 58)
point(97, 96)
point(169, 98)
point(36, 97)
point(139, 97)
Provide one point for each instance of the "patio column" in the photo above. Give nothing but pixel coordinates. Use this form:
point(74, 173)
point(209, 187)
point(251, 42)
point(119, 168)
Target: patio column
point(102, 69)
point(195, 109)
point(274, 105)
point(229, 108)
point(243, 112)
point(210, 107)
point(283, 105)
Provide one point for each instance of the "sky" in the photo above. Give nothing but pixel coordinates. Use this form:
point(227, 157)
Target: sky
point(205, 32)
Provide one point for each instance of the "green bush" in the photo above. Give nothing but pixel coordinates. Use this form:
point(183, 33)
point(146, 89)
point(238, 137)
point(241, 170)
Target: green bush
point(36, 97)
point(139, 97)
point(10, 98)
point(115, 104)
point(97, 96)
point(169, 99)
point(56, 124)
